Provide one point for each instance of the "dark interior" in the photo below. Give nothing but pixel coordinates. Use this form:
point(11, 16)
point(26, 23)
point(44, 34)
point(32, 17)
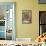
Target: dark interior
point(42, 17)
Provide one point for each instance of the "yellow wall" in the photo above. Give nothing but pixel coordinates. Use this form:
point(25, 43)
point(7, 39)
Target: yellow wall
point(27, 30)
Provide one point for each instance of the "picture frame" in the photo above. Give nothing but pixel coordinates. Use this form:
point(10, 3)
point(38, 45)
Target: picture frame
point(26, 16)
point(42, 1)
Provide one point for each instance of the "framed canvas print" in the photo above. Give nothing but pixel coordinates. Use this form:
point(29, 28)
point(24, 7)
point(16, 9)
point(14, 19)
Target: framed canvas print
point(42, 1)
point(26, 16)
point(7, 20)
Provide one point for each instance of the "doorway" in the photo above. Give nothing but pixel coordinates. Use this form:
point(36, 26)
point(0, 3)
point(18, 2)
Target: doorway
point(42, 22)
point(7, 21)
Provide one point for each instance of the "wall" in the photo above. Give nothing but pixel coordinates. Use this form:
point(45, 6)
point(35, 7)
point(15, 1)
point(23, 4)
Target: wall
point(27, 30)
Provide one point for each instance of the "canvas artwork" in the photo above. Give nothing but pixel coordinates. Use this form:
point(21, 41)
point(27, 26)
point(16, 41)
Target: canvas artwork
point(26, 16)
point(42, 1)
